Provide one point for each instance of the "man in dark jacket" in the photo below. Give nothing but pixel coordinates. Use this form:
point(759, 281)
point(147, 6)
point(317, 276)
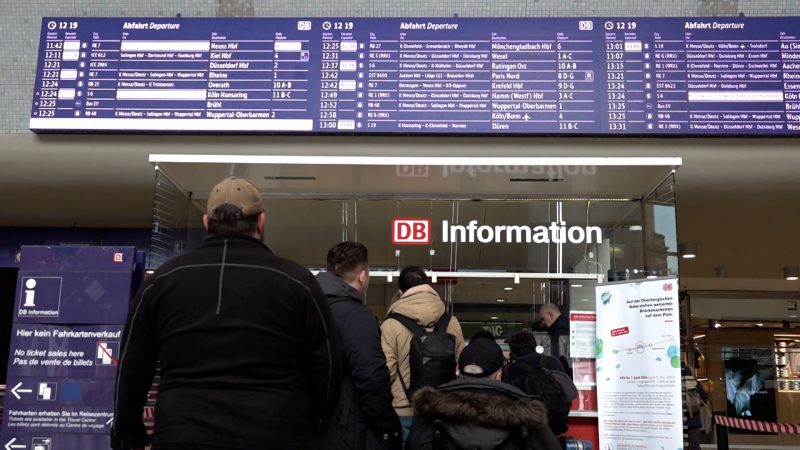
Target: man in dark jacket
point(477, 411)
point(250, 355)
point(526, 363)
point(523, 348)
point(364, 418)
point(557, 325)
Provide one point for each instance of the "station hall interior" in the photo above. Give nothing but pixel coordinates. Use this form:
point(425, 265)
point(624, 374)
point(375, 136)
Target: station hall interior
point(733, 201)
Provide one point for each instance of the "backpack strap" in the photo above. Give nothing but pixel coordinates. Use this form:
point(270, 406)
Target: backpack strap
point(415, 329)
point(403, 383)
point(443, 322)
point(408, 322)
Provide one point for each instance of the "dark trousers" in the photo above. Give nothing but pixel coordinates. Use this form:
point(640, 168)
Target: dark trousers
point(694, 438)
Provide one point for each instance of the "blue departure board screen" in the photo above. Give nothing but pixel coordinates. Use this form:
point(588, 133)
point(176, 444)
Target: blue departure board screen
point(526, 76)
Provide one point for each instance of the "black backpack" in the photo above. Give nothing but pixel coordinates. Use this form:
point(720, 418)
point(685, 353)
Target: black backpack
point(432, 356)
point(541, 382)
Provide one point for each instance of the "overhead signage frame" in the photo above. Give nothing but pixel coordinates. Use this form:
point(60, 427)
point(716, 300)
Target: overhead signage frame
point(472, 76)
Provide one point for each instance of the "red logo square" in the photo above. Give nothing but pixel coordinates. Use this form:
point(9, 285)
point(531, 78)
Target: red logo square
point(411, 231)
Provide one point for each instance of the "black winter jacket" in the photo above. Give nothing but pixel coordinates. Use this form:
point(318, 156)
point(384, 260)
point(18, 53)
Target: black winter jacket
point(481, 414)
point(364, 412)
point(249, 352)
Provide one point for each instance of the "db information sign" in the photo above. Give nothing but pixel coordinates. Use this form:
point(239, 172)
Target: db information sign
point(408, 231)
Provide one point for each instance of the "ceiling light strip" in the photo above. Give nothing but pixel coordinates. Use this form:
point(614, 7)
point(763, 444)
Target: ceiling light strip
point(418, 160)
point(368, 196)
point(492, 275)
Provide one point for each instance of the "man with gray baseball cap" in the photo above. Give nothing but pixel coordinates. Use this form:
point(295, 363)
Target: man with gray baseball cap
point(249, 352)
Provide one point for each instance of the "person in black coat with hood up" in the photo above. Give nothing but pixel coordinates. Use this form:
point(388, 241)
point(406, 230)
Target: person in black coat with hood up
point(364, 418)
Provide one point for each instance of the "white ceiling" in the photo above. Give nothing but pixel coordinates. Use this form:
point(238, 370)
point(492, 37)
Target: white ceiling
point(423, 177)
point(91, 180)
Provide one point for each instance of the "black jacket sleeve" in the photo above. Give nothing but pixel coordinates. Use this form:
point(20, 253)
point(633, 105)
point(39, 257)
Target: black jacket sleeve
point(420, 437)
point(324, 353)
point(137, 365)
point(361, 344)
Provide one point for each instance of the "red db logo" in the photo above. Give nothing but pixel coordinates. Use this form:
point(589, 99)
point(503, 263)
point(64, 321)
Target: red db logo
point(412, 171)
point(411, 231)
point(667, 287)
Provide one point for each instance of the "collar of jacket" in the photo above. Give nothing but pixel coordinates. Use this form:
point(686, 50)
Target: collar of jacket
point(247, 240)
point(480, 402)
point(335, 287)
point(420, 303)
point(560, 326)
point(417, 289)
point(530, 357)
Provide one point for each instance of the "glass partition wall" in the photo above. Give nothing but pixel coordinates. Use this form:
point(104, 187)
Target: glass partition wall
point(494, 283)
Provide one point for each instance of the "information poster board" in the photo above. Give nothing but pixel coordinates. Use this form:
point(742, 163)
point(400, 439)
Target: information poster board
point(638, 365)
point(582, 334)
point(69, 312)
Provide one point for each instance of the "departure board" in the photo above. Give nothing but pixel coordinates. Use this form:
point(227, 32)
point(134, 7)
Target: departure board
point(526, 76)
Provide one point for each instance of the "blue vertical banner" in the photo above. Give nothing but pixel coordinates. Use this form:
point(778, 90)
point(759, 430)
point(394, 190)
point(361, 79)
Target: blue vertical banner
point(69, 313)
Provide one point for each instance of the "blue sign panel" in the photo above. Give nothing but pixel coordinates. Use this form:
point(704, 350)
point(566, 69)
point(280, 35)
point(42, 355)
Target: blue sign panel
point(528, 76)
point(65, 343)
point(74, 284)
point(69, 351)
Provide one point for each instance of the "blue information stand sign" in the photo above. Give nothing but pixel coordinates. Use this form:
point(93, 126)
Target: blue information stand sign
point(69, 312)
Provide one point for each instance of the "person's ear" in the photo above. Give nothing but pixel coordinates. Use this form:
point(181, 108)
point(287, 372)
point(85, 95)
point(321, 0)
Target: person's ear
point(362, 277)
point(262, 218)
point(205, 221)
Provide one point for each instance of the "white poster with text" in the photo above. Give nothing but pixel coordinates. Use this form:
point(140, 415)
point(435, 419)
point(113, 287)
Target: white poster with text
point(639, 366)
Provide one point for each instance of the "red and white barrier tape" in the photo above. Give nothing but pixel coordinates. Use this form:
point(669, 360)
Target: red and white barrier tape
point(757, 425)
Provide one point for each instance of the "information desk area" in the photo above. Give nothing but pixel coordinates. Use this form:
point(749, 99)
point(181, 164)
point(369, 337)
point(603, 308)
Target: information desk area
point(617, 216)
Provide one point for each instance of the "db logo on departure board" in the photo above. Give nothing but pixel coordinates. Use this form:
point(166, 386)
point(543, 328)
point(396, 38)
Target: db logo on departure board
point(408, 231)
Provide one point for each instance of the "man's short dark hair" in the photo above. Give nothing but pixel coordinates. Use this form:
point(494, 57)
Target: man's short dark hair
point(346, 258)
point(482, 334)
point(228, 220)
point(411, 276)
point(522, 343)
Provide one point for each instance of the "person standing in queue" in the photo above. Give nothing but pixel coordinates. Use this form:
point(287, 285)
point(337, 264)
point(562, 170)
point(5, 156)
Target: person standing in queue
point(557, 325)
point(478, 411)
point(364, 418)
point(418, 313)
point(250, 354)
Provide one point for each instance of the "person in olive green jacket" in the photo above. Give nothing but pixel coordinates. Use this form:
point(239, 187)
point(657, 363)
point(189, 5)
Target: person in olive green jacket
point(418, 301)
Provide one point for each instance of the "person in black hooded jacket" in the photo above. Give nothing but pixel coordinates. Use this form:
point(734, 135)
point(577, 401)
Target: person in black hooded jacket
point(364, 418)
point(478, 411)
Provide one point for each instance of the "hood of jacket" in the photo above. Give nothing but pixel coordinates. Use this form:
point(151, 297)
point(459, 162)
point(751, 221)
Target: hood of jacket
point(335, 287)
point(481, 413)
point(481, 402)
point(420, 303)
